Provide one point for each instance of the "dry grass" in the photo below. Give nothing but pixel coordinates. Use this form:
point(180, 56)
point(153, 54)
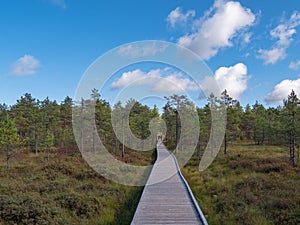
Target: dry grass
point(64, 190)
point(251, 185)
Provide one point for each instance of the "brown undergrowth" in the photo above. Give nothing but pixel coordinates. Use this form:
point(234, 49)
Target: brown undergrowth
point(250, 185)
point(65, 190)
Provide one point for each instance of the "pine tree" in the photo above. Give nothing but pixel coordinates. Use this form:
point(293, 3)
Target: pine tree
point(204, 115)
point(67, 137)
point(177, 101)
point(247, 121)
point(168, 116)
point(26, 115)
point(232, 124)
point(48, 143)
point(291, 106)
point(9, 138)
point(117, 112)
point(260, 123)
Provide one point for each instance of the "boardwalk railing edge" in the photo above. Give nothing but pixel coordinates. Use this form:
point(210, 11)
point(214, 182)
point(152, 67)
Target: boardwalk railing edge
point(195, 203)
point(135, 214)
point(199, 211)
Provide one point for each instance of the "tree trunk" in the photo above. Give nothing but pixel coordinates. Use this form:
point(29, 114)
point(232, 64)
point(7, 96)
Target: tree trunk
point(225, 143)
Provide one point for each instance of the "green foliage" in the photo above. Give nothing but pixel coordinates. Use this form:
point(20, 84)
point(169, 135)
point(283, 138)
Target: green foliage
point(169, 116)
point(292, 120)
point(64, 190)
point(253, 184)
point(175, 104)
point(8, 133)
point(35, 118)
point(247, 121)
point(271, 126)
point(9, 138)
point(234, 112)
point(140, 117)
point(260, 123)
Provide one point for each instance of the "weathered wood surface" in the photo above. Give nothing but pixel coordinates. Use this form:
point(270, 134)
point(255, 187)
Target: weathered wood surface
point(166, 198)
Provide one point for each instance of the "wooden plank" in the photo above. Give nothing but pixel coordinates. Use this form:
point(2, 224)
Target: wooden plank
point(166, 198)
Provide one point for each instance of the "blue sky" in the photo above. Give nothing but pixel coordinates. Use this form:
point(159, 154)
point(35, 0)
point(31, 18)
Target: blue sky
point(252, 47)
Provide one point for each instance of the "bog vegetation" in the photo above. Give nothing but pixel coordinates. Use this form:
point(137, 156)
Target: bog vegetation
point(43, 180)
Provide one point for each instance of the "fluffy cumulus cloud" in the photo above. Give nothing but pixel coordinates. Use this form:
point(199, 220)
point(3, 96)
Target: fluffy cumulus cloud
point(216, 29)
point(233, 79)
point(294, 65)
point(159, 80)
point(176, 17)
point(282, 90)
point(25, 65)
point(283, 33)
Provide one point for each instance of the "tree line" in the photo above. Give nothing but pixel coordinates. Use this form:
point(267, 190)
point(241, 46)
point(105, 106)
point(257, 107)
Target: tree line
point(255, 124)
point(32, 125)
point(35, 126)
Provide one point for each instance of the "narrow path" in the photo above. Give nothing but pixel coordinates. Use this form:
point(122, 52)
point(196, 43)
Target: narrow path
point(167, 198)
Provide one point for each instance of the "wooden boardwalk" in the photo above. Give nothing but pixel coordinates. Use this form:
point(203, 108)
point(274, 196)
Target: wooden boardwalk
point(167, 198)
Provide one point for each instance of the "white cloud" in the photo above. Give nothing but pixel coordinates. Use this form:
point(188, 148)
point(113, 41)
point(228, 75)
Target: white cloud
point(233, 79)
point(138, 77)
point(284, 34)
point(294, 65)
point(159, 80)
point(247, 38)
point(176, 17)
point(145, 49)
point(282, 90)
point(25, 65)
point(220, 24)
point(175, 82)
point(273, 55)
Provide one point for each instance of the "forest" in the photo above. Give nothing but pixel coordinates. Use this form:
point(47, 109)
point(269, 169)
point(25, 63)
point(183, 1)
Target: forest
point(39, 156)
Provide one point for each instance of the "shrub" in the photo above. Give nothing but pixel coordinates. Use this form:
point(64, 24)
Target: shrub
point(78, 205)
point(25, 209)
